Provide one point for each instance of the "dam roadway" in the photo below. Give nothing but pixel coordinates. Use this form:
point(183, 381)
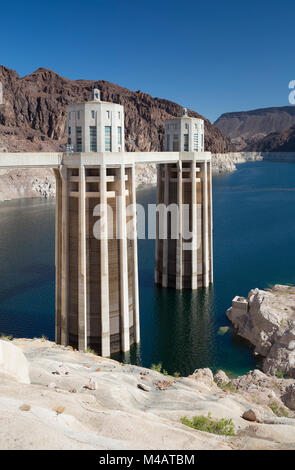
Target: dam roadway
point(55, 160)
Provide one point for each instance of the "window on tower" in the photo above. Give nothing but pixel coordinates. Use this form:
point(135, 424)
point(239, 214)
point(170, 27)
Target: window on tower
point(175, 143)
point(119, 135)
point(93, 141)
point(79, 139)
point(108, 138)
point(168, 142)
point(196, 142)
point(185, 142)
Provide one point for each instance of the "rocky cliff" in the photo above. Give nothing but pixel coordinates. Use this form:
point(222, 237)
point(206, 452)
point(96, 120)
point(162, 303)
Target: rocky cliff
point(282, 141)
point(246, 128)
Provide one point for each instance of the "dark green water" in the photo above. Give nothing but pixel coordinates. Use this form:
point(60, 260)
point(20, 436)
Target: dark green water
point(254, 246)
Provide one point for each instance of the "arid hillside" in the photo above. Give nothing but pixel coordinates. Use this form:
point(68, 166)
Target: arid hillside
point(247, 128)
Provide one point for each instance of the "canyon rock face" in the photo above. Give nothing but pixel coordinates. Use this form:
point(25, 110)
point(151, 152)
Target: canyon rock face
point(267, 319)
point(247, 128)
point(282, 141)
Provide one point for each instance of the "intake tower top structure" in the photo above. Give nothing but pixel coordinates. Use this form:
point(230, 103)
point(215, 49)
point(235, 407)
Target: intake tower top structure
point(184, 134)
point(95, 126)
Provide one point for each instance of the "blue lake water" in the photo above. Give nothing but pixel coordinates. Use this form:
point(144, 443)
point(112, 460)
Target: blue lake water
point(254, 246)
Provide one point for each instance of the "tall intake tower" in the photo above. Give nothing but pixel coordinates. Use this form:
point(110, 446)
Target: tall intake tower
point(184, 251)
point(96, 248)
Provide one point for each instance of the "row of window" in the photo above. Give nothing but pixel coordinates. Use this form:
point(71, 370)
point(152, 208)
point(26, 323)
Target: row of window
point(77, 114)
point(93, 138)
point(175, 145)
point(176, 126)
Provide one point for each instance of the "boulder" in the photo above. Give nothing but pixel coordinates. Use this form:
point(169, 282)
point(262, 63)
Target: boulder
point(252, 415)
point(221, 377)
point(91, 385)
point(13, 362)
point(143, 387)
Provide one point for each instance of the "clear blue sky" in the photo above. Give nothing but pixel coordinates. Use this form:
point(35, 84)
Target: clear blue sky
point(211, 56)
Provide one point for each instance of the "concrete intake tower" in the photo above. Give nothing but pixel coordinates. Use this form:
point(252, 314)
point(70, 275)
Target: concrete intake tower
point(97, 278)
point(97, 301)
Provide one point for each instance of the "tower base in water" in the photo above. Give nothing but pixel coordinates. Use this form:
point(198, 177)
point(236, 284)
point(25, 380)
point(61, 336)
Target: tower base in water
point(96, 274)
point(184, 252)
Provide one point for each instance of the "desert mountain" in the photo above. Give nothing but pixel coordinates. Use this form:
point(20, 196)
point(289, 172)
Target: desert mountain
point(245, 128)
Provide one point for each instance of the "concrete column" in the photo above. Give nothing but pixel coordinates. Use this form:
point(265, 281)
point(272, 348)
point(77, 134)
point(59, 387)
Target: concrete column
point(165, 241)
point(210, 224)
point(135, 257)
point(205, 227)
point(82, 268)
point(125, 335)
point(194, 227)
point(58, 232)
point(179, 247)
point(64, 258)
point(104, 268)
point(157, 242)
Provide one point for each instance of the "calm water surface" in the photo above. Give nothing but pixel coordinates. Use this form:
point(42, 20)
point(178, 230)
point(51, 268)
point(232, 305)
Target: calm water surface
point(254, 246)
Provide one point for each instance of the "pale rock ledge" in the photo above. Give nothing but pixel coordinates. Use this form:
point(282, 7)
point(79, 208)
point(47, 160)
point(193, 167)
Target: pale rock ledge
point(267, 319)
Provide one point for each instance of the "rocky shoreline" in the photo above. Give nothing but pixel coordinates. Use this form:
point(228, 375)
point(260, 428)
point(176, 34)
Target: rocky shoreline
point(74, 400)
point(266, 318)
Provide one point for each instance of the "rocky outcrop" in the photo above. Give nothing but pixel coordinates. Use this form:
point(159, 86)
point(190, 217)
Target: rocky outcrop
point(82, 401)
point(13, 363)
point(226, 162)
point(249, 127)
point(16, 184)
point(267, 319)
